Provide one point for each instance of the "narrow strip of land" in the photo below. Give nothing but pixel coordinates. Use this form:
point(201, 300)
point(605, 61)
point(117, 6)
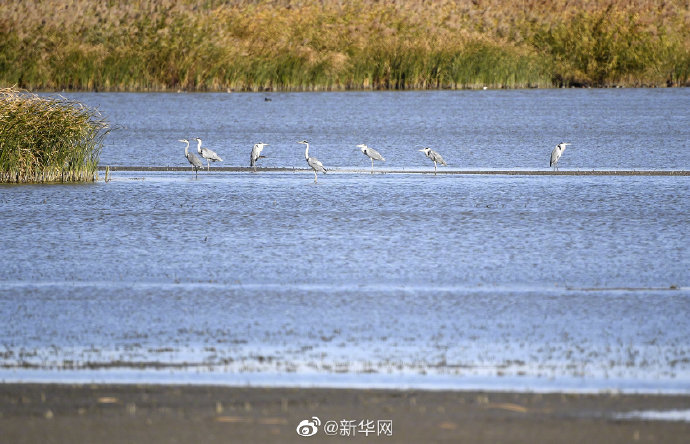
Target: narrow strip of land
point(38, 413)
point(416, 171)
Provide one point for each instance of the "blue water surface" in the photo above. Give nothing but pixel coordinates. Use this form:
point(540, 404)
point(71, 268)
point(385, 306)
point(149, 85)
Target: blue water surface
point(388, 279)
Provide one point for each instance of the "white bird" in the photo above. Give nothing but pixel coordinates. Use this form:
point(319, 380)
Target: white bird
point(313, 162)
point(372, 154)
point(556, 154)
point(207, 154)
point(192, 158)
point(256, 154)
point(434, 156)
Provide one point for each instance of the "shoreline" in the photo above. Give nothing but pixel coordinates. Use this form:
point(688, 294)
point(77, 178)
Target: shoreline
point(112, 413)
point(176, 374)
point(331, 89)
point(499, 172)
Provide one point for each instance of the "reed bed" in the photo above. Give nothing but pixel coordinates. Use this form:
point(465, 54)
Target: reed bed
point(257, 45)
point(48, 139)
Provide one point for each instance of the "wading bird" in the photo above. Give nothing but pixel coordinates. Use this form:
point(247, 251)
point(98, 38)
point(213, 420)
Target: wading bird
point(192, 158)
point(371, 154)
point(556, 155)
point(256, 154)
point(313, 162)
point(434, 156)
point(207, 154)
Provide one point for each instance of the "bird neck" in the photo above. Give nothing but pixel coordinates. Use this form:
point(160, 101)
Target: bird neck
point(186, 150)
point(198, 145)
point(306, 152)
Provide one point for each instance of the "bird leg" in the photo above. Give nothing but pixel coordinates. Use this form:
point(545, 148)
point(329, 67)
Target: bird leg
point(434, 167)
point(372, 166)
point(208, 163)
point(315, 178)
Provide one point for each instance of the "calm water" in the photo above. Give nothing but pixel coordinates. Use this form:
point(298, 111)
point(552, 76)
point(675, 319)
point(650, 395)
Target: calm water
point(625, 129)
point(395, 280)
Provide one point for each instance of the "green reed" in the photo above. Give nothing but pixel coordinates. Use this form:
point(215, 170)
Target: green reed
point(608, 48)
point(333, 45)
point(48, 139)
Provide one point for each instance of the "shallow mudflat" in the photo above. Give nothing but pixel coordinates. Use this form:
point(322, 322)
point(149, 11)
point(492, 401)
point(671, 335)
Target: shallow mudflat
point(513, 172)
point(160, 414)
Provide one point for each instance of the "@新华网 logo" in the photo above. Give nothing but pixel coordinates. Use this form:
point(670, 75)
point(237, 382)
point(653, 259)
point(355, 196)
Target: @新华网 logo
point(308, 427)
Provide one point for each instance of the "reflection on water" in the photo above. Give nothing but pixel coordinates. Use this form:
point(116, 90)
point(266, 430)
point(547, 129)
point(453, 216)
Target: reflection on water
point(407, 279)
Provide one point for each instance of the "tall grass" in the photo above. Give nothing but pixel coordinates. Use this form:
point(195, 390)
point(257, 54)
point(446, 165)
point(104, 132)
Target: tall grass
point(216, 45)
point(47, 139)
point(612, 47)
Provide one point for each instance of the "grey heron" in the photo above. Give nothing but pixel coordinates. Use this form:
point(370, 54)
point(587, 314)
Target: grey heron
point(207, 154)
point(192, 158)
point(371, 154)
point(434, 156)
point(313, 162)
point(556, 155)
point(256, 154)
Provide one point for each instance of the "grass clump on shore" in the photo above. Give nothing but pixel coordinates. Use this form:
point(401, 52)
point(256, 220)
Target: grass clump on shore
point(48, 139)
point(256, 45)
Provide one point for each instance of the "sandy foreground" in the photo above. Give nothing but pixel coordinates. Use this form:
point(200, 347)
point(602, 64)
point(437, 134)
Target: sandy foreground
point(44, 413)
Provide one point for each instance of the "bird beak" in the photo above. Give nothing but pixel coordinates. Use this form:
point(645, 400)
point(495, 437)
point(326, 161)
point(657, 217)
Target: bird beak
point(421, 151)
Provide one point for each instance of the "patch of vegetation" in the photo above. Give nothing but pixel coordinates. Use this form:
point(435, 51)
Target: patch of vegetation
point(47, 139)
point(254, 45)
point(612, 47)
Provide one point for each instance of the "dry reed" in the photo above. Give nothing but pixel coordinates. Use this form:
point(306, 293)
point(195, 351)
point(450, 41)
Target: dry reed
point(255, 45)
